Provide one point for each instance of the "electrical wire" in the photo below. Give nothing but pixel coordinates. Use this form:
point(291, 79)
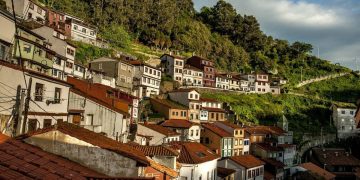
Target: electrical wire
point(41, 108)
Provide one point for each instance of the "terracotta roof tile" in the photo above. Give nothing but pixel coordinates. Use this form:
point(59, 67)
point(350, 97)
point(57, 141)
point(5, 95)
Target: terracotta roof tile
point(224, 172)
point(268, 147)
point(230, 124)
point(247, 161)
point(95, 139)
point(270, 129)
point(169, 103)
point(14, 165)
point(161, 150)
point(193, 152)
point(217, 130)
point(332, 156)
point(160, 129)
point(178, 123)
point(274, 163)
point(163, 168)
point(318, 170)
point(213, 109)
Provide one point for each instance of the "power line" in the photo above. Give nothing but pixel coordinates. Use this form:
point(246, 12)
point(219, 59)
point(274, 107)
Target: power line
point(41, 108)
point(6, 110)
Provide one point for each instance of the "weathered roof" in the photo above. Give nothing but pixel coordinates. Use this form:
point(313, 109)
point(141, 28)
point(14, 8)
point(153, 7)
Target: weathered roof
point(268, 147)
point(247, 161)
point(217, 130)
point(188, 66)
point(160, 129)
point(163, 169)
point(333, 156)
point(170, 104)
point(213, 109)
point(19, 160)
point(318, 170)
point(139, 63)
point(230, 124)
point(198, 58)
point(95, 139)
point(274, 163)
point(193, 152)
point(178, 123)
point(184, 90)
point(224, 172)
point(160, 150)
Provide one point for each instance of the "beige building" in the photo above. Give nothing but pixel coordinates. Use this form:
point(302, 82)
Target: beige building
point(173, 66)
point(192, 76)
point(122, 71)
point(170, 109)
point(189, 98)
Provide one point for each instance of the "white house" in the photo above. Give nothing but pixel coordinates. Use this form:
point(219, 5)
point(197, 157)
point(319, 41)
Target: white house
point(247, 83)
point(222, 81)
point(262, 83)
point(246, 166)
point(147, 79)
point(188, 130)
point(28, 10)
point(83, 32)
point(173, 66)
point(49, 97)
point(192, 76)
point(344, 120)
point(234, 82)
point(160, 135)
point(7, 35)
point(197, 161)
point(189, 98)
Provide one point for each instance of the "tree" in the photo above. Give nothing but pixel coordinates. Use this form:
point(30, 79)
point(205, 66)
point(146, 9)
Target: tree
point(117, 36)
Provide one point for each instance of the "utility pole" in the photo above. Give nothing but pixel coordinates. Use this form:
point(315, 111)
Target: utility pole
point(27, 102)
point(16, 113)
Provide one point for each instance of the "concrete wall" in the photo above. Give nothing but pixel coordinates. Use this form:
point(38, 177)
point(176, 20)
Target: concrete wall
point(105, 120)
point(206, 170)
point(7, 34)
point(157, 138)
point(241, 172)
point(344, 121)
point(100, 160)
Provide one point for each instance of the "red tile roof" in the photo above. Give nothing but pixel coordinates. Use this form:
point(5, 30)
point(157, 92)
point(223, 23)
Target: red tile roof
point(217, 130)
point(213, 109)
point(332, 156)
point(188, 66)
point(318, 170)
point(95, 139)
point(156, 150)
point(3, 138)
point(208, 100)
point(274, 163)
point(193, 153)
point(170, 104)
point(163, 169)
point(274, 130)
point(224, 172)
point(97, 93)
point(19, 160)
point(247, 161)
point(178, 123)
point(230, 124)
point(255, 131)
point(160, 129)
point(268, 147)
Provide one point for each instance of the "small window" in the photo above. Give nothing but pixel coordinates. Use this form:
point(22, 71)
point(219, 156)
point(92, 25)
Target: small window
point(57, 96)
point(75, 27)
point(39, 10)
point(83, 30)
point(47, 123)
point(39, 90)
point(100, 66)
point(31, 5)
point(32, 125)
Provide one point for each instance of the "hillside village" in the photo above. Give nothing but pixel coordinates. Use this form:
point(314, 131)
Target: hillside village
point(110, 118)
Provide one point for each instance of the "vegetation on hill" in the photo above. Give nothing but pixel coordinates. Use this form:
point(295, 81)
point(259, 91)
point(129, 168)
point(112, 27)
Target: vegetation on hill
point(344, 89)
point(305, 115)
point(234, 41)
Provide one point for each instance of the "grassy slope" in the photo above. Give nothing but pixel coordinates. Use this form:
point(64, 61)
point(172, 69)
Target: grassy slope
point(305, 115)
point(344, 89)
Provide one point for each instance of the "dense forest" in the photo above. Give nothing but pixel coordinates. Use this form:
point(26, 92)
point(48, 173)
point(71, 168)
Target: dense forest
point(236, 42)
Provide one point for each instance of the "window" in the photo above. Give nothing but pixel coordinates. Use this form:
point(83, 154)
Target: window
point(191, 96)
point(352, 112)
point(57, 96)
point(146, 69)
point(27, 48)
point(2, 52)
point(90, 119)
point(32, 125)
point(75, 27)
point(197, 132)
point(92, 33)
point(69, 65)
point(83, 30)
point(39, 90)
point(192, 133)
point(31, 5)
point(128, 80)
point(207, 141)
point(100, 66)
point(47, 123)
point(29, 16)
point(342, 112)
point(39, 10)
point(236, 142)
point(70, 51)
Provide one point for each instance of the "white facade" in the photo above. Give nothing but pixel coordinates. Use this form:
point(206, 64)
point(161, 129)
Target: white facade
point(28, 10)
point(79, 71)
point(262, 84)
point(157, 138)
point(234, 83)
point(98, 118)
point(247, 83)
point(246, 147)
point(83, 32)
point(206, 170)
point(149, 79)
point(174, 67)
point(344, 121)
point(242, 173)
point(6, 36)
point(192, 77)
point(50, 97)
point(101, 79)
point(222, 82)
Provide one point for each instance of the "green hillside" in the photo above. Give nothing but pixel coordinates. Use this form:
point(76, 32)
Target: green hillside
point(236, 42)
